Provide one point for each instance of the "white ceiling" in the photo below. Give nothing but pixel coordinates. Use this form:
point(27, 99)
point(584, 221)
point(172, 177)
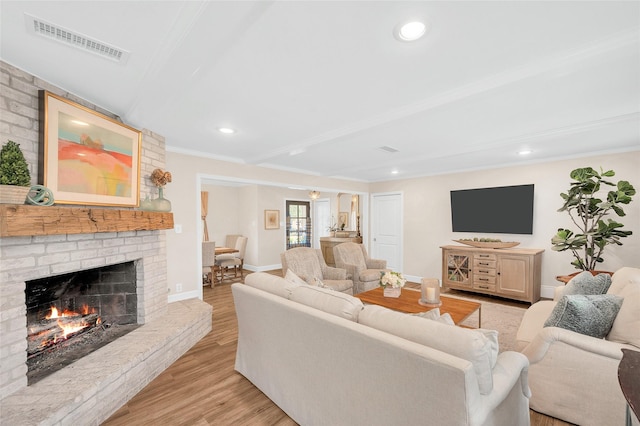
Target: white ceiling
point(328, 82)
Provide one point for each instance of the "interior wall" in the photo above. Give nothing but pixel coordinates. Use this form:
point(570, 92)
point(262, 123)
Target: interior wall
point(427, 214)
point(222, 218)
point(183, 248)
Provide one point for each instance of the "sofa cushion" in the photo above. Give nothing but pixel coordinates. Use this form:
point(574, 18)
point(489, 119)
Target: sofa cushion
point(626, 328)
point(327, 300)
point(586, 283)
point(467, 344)
point(592, 315)
point(270, 283)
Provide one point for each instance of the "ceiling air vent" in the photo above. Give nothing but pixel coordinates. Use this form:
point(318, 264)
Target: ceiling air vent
point(388, 148)
point(71, 38)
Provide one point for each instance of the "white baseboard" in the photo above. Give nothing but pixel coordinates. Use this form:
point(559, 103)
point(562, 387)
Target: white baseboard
point(262, 268)
point(547, 291)
point(183, 296)
point(413, 278)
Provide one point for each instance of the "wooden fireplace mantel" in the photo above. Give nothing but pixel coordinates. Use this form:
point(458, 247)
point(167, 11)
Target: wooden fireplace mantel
point(26, 220)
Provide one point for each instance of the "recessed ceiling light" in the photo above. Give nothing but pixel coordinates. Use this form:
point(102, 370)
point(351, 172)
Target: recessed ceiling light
point(525, 152)
point(394, 172)
point(226, 130)
point(410, 31)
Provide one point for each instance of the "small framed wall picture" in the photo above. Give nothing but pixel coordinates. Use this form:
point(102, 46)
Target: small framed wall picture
point(343, 220)
point(272, 219)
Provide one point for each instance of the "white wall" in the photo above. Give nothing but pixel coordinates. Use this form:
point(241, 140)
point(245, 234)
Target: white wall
point(427, 214)
point(222, 201)
point(427, 222)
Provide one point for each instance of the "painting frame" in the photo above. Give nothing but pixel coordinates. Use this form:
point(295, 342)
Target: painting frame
point(272, 219)
point(343, 217)
point(86, 157)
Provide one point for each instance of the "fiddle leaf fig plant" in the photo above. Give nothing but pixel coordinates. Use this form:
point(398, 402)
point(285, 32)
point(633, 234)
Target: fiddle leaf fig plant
point(588, 212)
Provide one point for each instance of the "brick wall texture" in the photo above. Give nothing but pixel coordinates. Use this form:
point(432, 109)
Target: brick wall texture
point(26, 258)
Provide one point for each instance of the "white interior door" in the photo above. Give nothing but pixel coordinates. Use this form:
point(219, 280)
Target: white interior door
point(386, 229)
point(321, 220)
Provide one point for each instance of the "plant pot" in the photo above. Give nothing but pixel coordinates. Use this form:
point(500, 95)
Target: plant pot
point(12, 194)
point(566, 278)
point(389, 291)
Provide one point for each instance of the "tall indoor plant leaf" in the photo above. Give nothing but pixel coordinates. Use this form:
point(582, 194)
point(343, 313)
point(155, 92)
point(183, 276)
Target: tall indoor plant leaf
point(588, 212)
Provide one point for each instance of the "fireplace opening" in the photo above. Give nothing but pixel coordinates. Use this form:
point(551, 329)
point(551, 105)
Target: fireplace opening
point(74, 314)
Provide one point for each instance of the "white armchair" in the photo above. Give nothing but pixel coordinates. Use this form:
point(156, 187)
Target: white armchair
point(572, 376)
point(364, 271)
point(308, 264)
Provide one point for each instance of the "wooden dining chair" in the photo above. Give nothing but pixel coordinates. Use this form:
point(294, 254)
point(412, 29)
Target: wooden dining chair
point(235, 260)
point(208, 262)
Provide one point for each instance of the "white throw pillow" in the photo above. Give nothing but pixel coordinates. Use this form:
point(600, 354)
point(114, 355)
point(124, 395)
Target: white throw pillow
point(626, 326)
point(318, 283)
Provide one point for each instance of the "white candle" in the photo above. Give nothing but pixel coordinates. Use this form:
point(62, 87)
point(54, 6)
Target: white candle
point(431, 294)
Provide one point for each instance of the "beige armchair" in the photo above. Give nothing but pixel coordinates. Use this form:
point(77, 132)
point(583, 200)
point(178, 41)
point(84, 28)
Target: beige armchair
point(208, 262)
point(574, 377)
point(364, 271)
point(233, 260)
point(308, 264)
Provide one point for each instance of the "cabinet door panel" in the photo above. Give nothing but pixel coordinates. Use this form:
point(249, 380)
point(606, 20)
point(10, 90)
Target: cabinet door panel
point(458, 269)
point(514, 276)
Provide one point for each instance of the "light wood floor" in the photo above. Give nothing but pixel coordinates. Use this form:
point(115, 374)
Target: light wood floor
point(202, 388)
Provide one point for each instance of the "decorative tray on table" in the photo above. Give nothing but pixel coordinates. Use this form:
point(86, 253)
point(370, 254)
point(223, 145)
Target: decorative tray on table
point(488, 244)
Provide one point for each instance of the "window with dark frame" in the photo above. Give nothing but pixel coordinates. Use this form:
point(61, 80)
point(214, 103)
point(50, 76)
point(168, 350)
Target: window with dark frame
point(298, 227)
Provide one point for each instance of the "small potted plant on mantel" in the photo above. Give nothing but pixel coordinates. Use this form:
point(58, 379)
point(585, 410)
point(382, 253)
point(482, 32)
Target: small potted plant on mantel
point(15, 180)
point(588, 212)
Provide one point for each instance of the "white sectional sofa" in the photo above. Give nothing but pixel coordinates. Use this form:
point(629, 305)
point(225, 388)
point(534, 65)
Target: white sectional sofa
point(326, 359)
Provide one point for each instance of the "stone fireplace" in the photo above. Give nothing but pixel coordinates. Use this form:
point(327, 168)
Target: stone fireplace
point(108, 377)
point(37, 243)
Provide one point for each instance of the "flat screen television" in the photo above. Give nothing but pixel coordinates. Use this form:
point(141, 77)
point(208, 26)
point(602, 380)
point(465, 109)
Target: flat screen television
point(499, 210)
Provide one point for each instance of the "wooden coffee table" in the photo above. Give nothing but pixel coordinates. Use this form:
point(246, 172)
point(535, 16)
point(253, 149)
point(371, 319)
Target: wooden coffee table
point(459, 309)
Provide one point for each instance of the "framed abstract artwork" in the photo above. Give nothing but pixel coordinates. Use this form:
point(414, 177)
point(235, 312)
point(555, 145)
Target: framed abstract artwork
point(87, 157)
point(272, 219)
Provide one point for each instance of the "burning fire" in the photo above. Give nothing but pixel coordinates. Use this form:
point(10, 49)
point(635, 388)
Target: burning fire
point(68, 327)
point(67, 313)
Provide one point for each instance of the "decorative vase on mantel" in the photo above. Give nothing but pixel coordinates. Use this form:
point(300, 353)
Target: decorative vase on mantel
point(161, 204)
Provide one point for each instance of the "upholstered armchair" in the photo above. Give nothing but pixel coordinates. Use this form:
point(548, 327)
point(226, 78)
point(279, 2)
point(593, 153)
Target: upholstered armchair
point(364, 271)
point(233, 260)
point(308, 264)
point(573, 376)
